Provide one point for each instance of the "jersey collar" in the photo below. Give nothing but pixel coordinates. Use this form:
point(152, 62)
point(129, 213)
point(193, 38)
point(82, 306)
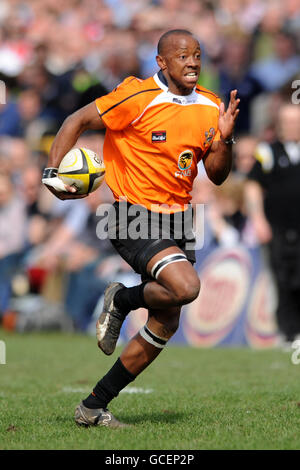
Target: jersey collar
point(161, 81)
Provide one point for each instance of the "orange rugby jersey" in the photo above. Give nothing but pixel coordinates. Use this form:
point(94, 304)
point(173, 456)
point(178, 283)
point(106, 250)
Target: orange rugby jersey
point(154, 140)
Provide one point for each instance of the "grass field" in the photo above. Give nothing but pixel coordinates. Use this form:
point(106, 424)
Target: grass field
point(196, 399)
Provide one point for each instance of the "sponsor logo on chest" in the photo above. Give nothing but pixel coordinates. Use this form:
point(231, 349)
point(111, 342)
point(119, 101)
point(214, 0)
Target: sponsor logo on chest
point(159, 136)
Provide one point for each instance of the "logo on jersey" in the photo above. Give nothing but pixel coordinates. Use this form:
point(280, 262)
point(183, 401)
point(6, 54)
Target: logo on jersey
point(209, 135)
point(159, 136)
point(177, 100)
point(185, 161)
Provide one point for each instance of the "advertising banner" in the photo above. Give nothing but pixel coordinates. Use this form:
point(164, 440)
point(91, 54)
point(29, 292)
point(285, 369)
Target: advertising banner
point(235, 307)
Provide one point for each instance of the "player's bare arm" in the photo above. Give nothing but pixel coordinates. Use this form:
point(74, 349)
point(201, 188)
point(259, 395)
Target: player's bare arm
point(218, 160)
point(67, 136)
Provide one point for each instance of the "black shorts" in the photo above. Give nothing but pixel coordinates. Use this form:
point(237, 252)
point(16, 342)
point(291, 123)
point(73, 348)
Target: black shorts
point(138, 234)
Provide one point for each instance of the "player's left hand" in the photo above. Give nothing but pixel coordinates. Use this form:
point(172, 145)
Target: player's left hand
point(65, 195)
point(57, 187)
point(227, 118)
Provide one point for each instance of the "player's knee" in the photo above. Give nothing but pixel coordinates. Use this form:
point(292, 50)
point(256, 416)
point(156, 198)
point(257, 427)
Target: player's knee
point(187, 291)
point(171, 326)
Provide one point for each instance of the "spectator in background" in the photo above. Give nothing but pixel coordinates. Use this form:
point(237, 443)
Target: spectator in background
point(225, 221)
point(274, 72)
point(23, 118)
point(68, 221)
point(225, 213)
point(273, 198)
point(243, 156)
point(83, 260)
point(118, 58)
point(10, 119)
point(37, 204)
point(292, 22)
point(72, 247)
point(12, 238)
point(37, 78)
point(12, 220)
point(272, 21)
point(235, 74)
point(17, 155)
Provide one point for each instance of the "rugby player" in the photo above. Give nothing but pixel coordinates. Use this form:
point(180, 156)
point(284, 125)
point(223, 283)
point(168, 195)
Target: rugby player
point(157, 130)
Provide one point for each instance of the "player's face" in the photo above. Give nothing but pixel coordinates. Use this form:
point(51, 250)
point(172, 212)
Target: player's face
point(181, 63)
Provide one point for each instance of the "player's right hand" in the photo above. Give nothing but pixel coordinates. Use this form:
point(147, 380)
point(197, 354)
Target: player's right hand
point(57, 187)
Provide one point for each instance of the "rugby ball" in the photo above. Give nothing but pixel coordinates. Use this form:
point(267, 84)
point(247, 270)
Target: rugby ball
point(83, 169)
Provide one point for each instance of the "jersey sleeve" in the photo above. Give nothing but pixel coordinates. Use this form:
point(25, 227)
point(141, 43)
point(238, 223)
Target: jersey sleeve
point(121, 106)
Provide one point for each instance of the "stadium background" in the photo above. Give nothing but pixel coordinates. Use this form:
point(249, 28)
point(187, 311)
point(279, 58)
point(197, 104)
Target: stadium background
point(58, 56)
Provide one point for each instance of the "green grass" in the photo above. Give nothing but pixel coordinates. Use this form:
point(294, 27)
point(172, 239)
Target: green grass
point(201, 398)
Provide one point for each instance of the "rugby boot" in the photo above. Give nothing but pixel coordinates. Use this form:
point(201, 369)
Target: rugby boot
point(96, 417)
point(110, 320)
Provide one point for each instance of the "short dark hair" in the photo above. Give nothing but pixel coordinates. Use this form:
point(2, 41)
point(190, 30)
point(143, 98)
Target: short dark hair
point(166, 35)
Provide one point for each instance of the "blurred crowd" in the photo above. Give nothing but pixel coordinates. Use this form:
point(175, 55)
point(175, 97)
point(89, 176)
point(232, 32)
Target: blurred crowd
point(58, 56)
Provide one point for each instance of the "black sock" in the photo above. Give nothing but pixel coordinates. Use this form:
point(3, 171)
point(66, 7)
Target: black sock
point(109, 386)
point(130, 298)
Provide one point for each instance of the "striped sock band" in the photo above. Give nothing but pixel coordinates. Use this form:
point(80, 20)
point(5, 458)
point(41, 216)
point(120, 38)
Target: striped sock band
point(162, 263)
point(152, 338)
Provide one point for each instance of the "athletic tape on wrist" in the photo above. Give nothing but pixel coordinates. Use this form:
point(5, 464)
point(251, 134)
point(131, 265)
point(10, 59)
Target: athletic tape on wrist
point(50, 172)
point(152, 338)
point(50, 178)
point(56, 183)
point(162, 263)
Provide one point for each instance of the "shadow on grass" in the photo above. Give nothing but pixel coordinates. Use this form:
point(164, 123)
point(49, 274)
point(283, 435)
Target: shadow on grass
point(165, 417)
